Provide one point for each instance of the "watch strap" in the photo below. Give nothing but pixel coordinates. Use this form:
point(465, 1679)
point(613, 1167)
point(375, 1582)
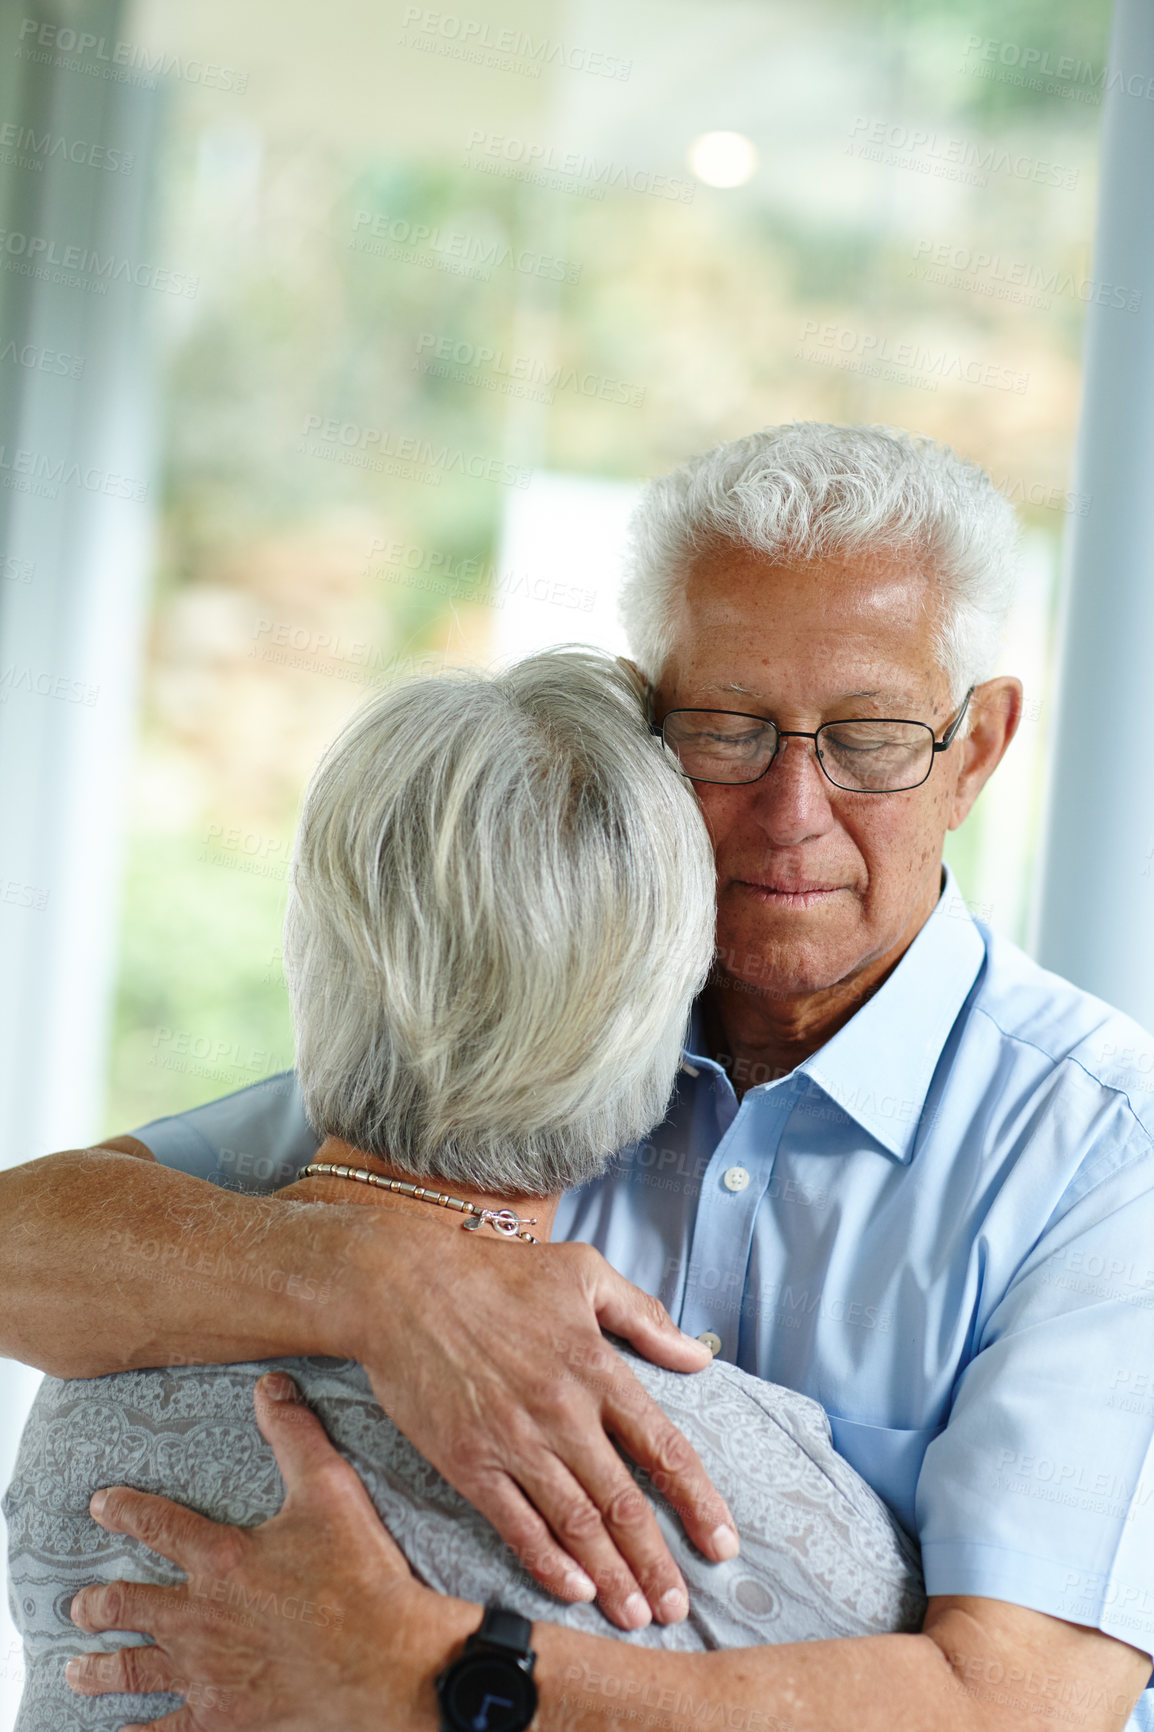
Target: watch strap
point(503, 1640)
point(502, 1628)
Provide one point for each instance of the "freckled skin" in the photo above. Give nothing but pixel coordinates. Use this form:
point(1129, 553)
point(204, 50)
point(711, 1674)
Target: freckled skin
point(806, 642)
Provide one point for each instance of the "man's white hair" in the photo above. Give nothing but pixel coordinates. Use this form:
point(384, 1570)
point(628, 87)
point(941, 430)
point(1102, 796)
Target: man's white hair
point(809, 490)
point(501, 908)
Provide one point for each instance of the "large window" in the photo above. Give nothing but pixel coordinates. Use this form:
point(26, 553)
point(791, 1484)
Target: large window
point(454, 282)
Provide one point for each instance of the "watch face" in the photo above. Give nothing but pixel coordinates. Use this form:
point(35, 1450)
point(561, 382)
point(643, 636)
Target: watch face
point(486, 1693)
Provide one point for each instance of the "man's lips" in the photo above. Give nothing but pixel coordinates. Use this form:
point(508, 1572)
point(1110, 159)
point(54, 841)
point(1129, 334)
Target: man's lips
point(788, 893)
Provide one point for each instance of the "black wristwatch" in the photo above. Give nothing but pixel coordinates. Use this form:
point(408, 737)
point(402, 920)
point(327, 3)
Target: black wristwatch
point(490, 1687)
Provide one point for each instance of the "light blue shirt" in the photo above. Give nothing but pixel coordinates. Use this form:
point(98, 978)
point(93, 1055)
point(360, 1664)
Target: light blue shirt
point(940, 1227)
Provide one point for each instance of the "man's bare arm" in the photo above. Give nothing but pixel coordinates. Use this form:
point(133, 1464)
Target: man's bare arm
point(489, 1358)
point(112, 1261)
point(979, 1665)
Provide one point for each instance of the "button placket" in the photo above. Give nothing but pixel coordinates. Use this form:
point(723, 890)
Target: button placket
point(731, 1194)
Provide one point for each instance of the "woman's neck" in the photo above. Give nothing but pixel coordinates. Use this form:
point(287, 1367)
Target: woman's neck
point(329, 1189)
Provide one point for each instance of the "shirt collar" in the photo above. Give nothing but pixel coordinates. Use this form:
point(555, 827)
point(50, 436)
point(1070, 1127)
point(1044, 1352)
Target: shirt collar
point(879, 1065)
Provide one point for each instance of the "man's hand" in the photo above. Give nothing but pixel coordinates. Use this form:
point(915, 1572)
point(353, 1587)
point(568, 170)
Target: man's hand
point(488, 1356)
point(502, 1380)
point(311, 1621)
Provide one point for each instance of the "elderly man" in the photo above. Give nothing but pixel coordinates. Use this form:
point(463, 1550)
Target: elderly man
point(903, 1174)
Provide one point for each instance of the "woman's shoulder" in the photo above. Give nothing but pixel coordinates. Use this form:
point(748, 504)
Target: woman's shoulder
point(770, 1453)
point(187, 1425)
point(724, 1391)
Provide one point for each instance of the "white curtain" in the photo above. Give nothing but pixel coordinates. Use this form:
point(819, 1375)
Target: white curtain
point(77, 304)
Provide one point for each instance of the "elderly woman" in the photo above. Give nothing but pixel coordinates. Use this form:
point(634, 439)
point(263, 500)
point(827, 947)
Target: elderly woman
point(501, 909)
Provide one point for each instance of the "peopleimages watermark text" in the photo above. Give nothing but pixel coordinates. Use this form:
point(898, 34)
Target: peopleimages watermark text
point(401, 239)
point(504, 48)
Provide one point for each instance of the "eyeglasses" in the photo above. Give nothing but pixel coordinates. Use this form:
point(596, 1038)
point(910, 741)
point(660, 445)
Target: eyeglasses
point(862, 755)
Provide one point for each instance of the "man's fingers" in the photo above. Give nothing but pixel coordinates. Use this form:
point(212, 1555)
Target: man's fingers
point(673, 1465)
point(582, 1561)
point(137, 1606)
point(130, 1671)
point(178, 1534)
point(307, 1460)
point(529, 1539)
point(318, 1480)
point(625, 1310)
point(299, 1442)
point(201, 1698)
point(578, 1483)
point(639, 1424)
point(611, 1531)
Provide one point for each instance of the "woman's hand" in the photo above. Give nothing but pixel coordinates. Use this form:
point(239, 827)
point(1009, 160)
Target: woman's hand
point(312, 1620)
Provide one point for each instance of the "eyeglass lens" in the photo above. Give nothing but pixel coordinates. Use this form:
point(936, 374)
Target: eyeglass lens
point(858, 755)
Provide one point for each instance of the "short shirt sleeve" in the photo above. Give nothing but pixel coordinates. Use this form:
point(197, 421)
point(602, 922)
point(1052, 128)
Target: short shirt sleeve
point(255, 1140)
point(1040, 1490)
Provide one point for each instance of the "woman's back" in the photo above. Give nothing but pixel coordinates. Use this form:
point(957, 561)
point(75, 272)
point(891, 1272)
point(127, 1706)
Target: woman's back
point(821, 1555)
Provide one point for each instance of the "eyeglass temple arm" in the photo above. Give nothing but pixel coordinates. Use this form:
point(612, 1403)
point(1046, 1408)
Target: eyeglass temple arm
point(947, 738)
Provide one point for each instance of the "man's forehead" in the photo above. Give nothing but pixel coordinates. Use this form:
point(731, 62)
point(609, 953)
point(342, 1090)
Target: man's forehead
point(900, 691)
point(882, 601)
point(755, 691)
point(750, 633)
point(720, 561)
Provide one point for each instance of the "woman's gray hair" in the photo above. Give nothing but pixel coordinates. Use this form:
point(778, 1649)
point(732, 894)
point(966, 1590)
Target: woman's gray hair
point(809, 490)
point(501, 907)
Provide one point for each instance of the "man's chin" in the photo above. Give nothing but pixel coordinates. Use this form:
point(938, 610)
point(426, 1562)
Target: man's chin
point(789, 951)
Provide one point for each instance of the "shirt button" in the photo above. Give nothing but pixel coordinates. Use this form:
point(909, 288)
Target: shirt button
point(736, 1179)
point(710, 1340)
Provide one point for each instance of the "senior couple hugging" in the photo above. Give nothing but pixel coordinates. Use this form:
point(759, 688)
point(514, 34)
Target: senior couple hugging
point(653, 973)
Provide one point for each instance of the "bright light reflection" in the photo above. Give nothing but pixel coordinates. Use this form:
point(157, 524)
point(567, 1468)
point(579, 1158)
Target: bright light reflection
point(723, 158)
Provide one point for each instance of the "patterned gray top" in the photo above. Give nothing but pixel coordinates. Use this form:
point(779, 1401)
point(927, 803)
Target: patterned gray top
point(821, 1554)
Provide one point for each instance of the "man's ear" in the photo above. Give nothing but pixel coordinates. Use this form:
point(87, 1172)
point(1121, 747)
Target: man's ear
point(644, 689)
point(995, 711)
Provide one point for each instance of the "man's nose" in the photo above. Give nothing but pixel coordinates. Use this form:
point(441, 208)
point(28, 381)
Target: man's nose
point(793, 797)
